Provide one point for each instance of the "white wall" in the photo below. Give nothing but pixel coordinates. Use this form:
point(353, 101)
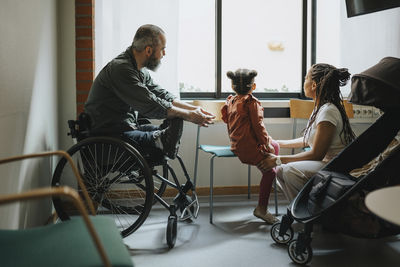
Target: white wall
point(28, 99)
point(368, 38)
point(356, 43)
point(66, 77)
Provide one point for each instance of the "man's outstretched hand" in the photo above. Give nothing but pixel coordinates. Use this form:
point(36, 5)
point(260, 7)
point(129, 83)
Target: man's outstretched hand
point(201, 117)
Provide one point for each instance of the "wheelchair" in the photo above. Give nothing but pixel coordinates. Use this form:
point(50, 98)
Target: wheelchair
point(122, 181)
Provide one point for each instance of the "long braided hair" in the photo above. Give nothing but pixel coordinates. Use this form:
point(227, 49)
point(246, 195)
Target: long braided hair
point(328, 79)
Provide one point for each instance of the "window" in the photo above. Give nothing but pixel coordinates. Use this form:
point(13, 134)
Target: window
point(264, 35)
point(207, 38)
point(196, 42)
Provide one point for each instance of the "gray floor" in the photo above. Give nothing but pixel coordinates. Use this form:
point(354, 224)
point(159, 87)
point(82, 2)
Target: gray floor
point(237, 238)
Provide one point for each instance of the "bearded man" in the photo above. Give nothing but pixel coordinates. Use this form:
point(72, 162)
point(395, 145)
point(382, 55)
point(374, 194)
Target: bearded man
point(124, 90)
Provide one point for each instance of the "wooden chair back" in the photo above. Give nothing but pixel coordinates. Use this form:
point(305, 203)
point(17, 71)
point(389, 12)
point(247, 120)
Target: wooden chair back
point(302, 109)
point(211, 106)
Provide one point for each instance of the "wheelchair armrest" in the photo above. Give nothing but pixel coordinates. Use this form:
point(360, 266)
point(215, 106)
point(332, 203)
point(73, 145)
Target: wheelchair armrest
point(73, 128)
point(80, 128)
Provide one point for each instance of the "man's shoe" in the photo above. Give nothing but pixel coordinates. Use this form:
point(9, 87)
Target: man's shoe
point(170, 137)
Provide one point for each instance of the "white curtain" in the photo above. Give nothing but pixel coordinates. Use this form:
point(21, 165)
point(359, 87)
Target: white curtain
point(116, 24)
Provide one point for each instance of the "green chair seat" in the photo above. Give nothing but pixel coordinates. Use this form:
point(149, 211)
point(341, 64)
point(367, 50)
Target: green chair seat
point(66, 244)
point(219, 151)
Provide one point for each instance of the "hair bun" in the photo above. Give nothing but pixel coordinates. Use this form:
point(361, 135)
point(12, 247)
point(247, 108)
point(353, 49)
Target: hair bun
point(230, 75)
point(343, 75)
point(252, 74)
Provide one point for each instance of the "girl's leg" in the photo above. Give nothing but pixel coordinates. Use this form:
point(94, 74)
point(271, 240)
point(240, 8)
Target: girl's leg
point(265, 191)
point(261, 211)
point(265, 188)
point(266, 182)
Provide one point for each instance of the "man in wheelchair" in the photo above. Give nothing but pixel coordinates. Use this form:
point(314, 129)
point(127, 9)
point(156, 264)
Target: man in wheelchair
point(124, 88)
point(116, 153)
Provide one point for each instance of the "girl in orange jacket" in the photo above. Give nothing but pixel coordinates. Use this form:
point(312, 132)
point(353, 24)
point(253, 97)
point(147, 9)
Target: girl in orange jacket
point(250, 141)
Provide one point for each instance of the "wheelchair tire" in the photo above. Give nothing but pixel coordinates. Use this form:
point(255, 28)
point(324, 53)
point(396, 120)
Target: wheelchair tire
point(116, 176)
point(172, 230)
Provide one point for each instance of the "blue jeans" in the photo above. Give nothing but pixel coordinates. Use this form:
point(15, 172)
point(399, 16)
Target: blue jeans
point(143, 136)
point(143, 139)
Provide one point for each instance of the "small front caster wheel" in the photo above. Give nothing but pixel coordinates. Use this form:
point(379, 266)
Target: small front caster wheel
point(302, 257)
point(172, 230)
point(281, 239)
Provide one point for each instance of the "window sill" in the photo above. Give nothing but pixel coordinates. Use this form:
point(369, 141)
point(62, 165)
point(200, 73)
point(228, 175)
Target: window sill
point(270, 103)
point(277, 111)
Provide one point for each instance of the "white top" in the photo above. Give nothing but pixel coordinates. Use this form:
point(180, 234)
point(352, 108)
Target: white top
point(328, 112)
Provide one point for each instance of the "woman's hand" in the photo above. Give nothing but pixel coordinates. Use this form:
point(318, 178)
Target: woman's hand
point(270, 148)
point(267, 163)
point(266, 149)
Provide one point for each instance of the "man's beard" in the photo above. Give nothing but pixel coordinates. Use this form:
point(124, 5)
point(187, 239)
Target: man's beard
point(153, 63)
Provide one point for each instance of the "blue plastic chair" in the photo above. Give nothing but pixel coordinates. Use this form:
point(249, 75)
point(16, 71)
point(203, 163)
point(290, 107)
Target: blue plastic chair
point(219, 152)
point(216, 152)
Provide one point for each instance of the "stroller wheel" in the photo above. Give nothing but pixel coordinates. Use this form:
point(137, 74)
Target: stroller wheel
point(281, 239)
point(299, 257)
point(171, 230)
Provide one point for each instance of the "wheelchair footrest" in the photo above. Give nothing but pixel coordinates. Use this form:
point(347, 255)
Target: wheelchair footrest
point(191, 209)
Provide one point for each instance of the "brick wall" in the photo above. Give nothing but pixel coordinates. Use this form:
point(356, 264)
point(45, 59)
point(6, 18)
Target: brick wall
point(84, 54)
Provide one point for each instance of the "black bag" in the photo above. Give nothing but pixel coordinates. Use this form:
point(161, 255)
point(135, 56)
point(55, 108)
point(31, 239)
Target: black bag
point(328, 187)
point(353, 218)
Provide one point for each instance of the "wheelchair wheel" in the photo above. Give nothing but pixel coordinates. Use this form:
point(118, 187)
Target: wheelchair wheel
point(172, 230)
point(117, 178)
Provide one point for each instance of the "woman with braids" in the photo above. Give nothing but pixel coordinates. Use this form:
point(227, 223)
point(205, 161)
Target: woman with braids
point(244, 116)
point(328, 131)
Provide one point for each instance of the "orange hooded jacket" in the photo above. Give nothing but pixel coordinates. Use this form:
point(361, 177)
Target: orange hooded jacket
point(244, 116)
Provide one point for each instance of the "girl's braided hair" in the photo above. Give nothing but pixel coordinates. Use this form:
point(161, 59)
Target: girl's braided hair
point(328, 79)
point(242, 80)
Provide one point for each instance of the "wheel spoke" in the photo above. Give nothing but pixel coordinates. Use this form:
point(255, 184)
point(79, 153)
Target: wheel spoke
point(117, 179)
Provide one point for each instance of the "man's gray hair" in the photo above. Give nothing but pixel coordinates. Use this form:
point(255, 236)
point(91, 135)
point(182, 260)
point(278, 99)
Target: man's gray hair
point(147, 35)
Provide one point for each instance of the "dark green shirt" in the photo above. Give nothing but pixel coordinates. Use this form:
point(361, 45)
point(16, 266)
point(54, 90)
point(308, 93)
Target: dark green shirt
point(120, 91)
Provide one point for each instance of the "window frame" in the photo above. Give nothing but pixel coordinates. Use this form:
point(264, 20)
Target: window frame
point(218, 94)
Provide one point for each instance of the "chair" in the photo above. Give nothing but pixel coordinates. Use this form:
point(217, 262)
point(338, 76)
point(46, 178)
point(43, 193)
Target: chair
point(80, 241)
point(302, 109)
point(218, 152)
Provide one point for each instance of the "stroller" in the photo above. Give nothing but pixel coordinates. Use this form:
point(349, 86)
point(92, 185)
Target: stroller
point(335, 198)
